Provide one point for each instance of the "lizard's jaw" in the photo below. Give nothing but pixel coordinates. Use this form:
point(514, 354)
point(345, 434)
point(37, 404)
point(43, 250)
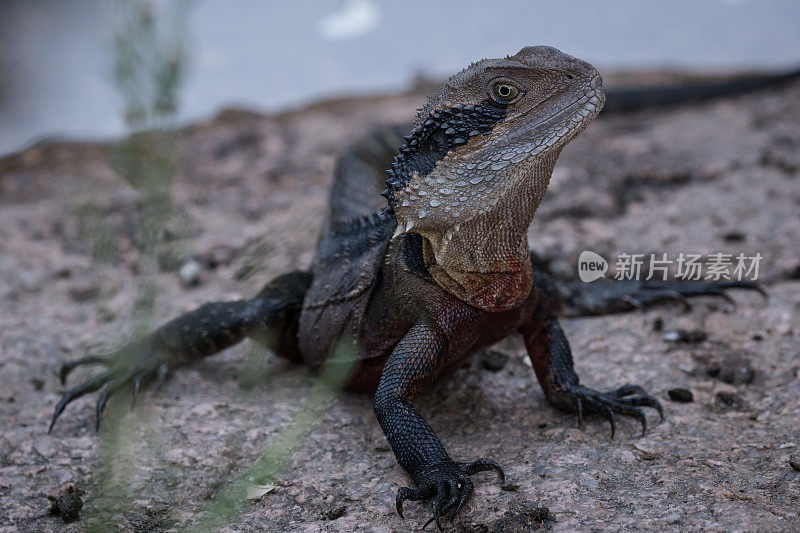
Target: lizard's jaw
point(557, 129)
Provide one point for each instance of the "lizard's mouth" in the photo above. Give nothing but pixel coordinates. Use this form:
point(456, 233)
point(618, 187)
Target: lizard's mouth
point(560, 127)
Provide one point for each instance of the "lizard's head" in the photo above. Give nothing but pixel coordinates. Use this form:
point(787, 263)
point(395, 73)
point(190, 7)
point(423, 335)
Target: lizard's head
point(487, 140)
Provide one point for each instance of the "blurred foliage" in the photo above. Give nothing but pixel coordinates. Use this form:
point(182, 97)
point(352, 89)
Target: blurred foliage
point(149, 59)
point(149, 63)
point(102, 237)
point(149, 66)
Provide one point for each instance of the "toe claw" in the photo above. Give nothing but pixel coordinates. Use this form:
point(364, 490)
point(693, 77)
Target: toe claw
point(91, 385)
point(402, 495)
point(460, 494)
point(629, 389)
point(137, 383)
point(634, 302)
point(454, 487)
point(725, 296)
point(679, 298)
point(466, 492)
point(609, 414)
point(756, 287)
point(657, 406)
point(102, 398)
point(161, 376)
point(437, 507)
point(484, 464)
point(69, 366)
point(638, 414)
point(745, 285)
point(646, 400)
point(405, 493)
point(649, 401)
point(59, 409)
point(136, 386)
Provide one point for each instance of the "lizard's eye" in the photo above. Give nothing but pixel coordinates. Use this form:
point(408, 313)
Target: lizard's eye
point(504, 92)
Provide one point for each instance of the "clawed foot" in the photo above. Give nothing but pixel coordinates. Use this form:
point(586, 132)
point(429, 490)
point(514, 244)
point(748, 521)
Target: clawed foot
point(135, 365)
point(625, 400)
point(449, 486)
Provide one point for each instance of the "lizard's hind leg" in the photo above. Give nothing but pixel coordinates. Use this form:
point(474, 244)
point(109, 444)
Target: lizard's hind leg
point(270, 318)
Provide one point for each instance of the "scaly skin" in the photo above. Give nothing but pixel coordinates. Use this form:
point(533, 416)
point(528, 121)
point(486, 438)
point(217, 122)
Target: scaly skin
point(443, 272)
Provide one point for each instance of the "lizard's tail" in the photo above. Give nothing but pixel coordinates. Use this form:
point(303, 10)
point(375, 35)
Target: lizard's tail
point(604, 297)
point(627, 99)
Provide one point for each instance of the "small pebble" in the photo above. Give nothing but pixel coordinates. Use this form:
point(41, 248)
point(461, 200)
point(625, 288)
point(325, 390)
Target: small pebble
point(673, 518)
point(474, 527)
point(63, 272)
point(729, 399)
point(68, 507)
point(734, 236)
point(335, 512)
point(680, 395)
point(493, 360)
point(539, 513)
point(190, 273)
point(647, 455)
point(658, 324)
point(735, 371)
point(794, 462)
point(82, 293)
point(693, 336)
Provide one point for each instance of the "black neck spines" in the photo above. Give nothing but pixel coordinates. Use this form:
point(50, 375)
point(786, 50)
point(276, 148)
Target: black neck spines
point(363, 223)
point(441, 132)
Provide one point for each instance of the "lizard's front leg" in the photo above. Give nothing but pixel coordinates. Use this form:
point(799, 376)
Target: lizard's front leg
point(270, 317)
point(552, 361)
point(411, 368)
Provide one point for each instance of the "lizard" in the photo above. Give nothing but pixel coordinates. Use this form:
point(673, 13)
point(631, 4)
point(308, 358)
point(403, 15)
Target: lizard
point(441, 272)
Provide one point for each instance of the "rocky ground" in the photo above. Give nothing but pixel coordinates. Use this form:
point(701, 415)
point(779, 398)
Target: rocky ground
point(250, 192)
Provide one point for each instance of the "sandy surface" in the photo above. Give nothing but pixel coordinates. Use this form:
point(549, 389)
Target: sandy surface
point(251, 191)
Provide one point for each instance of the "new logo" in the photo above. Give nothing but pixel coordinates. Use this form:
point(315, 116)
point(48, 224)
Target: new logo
point(591, 266)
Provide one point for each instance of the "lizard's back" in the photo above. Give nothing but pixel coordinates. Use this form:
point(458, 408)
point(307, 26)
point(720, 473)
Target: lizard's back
point(354, 242)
